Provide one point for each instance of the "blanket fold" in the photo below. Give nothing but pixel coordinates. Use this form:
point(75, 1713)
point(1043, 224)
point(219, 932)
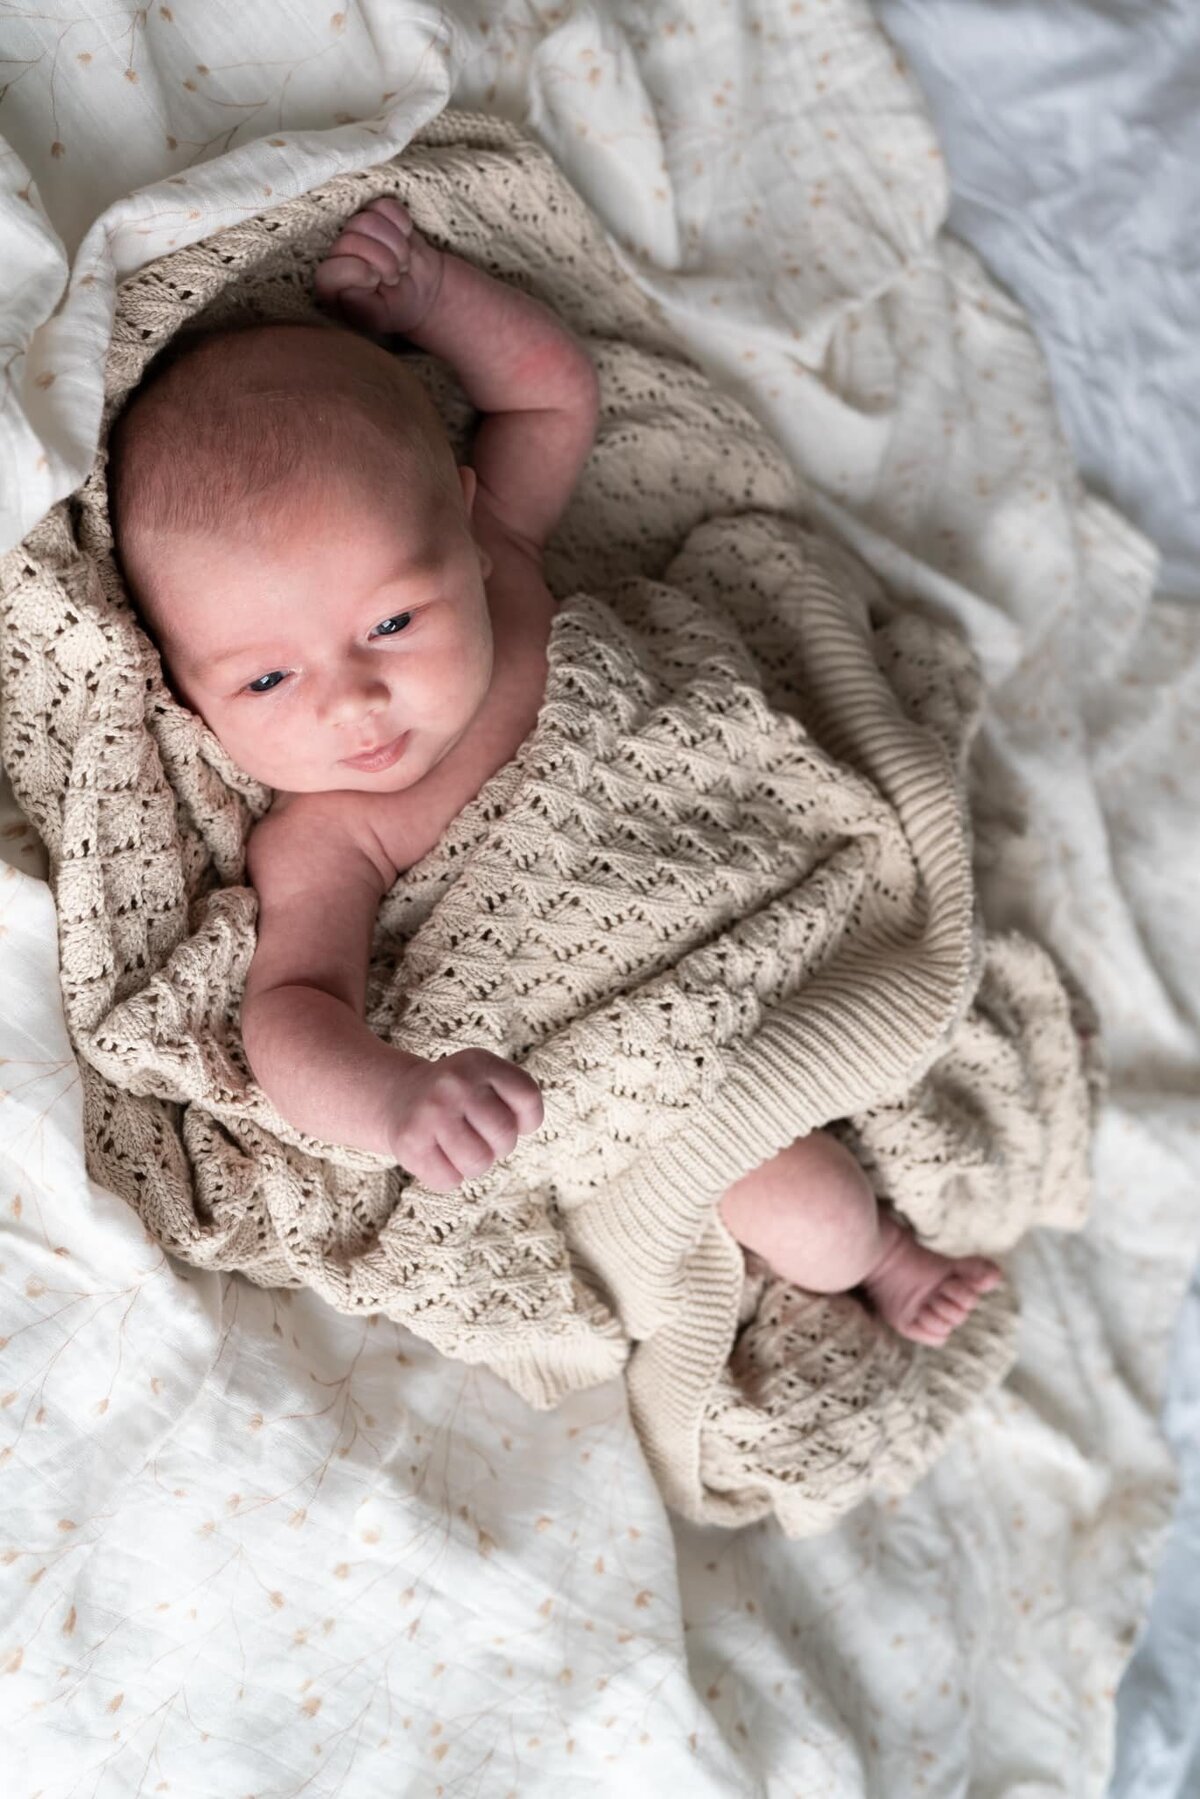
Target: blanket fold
point(721, 896)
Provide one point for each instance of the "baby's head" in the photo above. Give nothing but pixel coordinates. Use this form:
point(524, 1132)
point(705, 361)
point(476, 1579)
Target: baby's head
point(297, 536)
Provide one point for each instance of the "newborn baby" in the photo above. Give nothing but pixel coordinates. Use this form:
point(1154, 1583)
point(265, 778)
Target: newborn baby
point(363, 624)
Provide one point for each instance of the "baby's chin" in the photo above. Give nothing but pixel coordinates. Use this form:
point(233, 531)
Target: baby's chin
point(338, 780)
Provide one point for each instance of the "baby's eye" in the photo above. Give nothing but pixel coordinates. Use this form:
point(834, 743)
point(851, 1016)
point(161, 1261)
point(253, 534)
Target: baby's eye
point(391, 626)
point(275, 677)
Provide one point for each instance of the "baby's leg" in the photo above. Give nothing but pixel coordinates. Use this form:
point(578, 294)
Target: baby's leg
point(810, 1213)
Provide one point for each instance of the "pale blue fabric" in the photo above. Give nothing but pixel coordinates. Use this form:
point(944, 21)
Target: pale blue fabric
point(1072, 136)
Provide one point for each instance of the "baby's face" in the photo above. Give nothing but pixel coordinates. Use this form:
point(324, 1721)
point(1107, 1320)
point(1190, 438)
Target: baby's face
point(342, 630)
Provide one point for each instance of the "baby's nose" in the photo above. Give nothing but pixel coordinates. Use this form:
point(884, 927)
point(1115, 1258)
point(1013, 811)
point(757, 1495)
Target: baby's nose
point(356, 696)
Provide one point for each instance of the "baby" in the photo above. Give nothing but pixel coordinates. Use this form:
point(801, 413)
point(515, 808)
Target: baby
point(363, 624)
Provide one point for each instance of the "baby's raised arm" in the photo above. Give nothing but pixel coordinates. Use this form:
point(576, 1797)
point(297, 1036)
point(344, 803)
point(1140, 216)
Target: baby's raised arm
point(533, 381)
point(319, 888)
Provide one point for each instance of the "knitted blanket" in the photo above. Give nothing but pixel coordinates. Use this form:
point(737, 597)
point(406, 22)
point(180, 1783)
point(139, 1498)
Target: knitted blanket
point(721, 896)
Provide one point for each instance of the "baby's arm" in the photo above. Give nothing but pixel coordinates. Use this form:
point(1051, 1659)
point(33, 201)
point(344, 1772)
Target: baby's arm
point(311, 1051)
point(521, 367)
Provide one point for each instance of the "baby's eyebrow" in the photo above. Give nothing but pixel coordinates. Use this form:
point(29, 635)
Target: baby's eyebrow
point(253, 653)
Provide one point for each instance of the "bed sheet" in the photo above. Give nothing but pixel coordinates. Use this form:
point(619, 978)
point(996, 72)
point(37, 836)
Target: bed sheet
point(255, 1546)
point(1071, 137)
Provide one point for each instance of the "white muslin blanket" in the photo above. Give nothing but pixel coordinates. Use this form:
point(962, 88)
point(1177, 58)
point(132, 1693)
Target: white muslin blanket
point(257, 1544)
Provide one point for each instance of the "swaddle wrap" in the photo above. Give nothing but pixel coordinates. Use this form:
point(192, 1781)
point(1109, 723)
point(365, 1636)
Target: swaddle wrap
point(720, 897)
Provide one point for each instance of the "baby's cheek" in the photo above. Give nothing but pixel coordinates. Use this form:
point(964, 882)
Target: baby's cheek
point(211, 716)
point(249, 741)
point(472, 693)
point(484, 651)
point(458, 682)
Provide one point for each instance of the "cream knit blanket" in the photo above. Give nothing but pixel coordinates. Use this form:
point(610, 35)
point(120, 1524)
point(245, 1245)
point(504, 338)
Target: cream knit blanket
point(721, 896)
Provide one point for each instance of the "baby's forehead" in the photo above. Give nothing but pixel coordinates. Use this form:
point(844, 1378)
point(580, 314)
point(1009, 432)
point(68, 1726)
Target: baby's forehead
point(239, 419)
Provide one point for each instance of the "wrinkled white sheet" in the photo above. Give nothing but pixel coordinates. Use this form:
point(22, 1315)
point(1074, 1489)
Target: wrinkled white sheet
point(1072, 137)
point(251, 1549)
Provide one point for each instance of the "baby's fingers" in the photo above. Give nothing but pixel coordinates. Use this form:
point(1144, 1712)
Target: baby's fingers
point(492, 1116)
point(462, 1146)
point(393, 210)
point(367, 248)
point(365, 306)
point(436, 1170)
point(338, 273)
point(522, 1094)
point(380, 225)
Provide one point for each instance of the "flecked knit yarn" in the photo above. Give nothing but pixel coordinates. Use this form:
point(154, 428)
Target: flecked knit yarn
point(721, 896)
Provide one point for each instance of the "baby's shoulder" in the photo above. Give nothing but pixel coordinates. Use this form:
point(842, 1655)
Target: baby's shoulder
point(329, 830)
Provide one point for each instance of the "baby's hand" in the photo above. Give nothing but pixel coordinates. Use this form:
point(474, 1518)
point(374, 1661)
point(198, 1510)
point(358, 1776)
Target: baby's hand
point(381, 272)
point(451, 1119)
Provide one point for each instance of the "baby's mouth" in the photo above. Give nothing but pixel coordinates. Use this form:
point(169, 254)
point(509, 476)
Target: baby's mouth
point(375, 761)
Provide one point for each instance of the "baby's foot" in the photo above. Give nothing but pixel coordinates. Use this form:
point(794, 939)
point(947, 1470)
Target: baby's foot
point(922, 1295)
point(381, 272)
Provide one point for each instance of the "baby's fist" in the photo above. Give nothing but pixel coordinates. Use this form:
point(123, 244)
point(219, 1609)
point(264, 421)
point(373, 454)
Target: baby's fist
point(381, 272)
point(451, 1119)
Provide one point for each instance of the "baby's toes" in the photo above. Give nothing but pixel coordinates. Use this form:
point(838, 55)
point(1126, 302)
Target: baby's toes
point(957, 1290)
point(950, 1308)
point(979, 1275)
point(929, 1326)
